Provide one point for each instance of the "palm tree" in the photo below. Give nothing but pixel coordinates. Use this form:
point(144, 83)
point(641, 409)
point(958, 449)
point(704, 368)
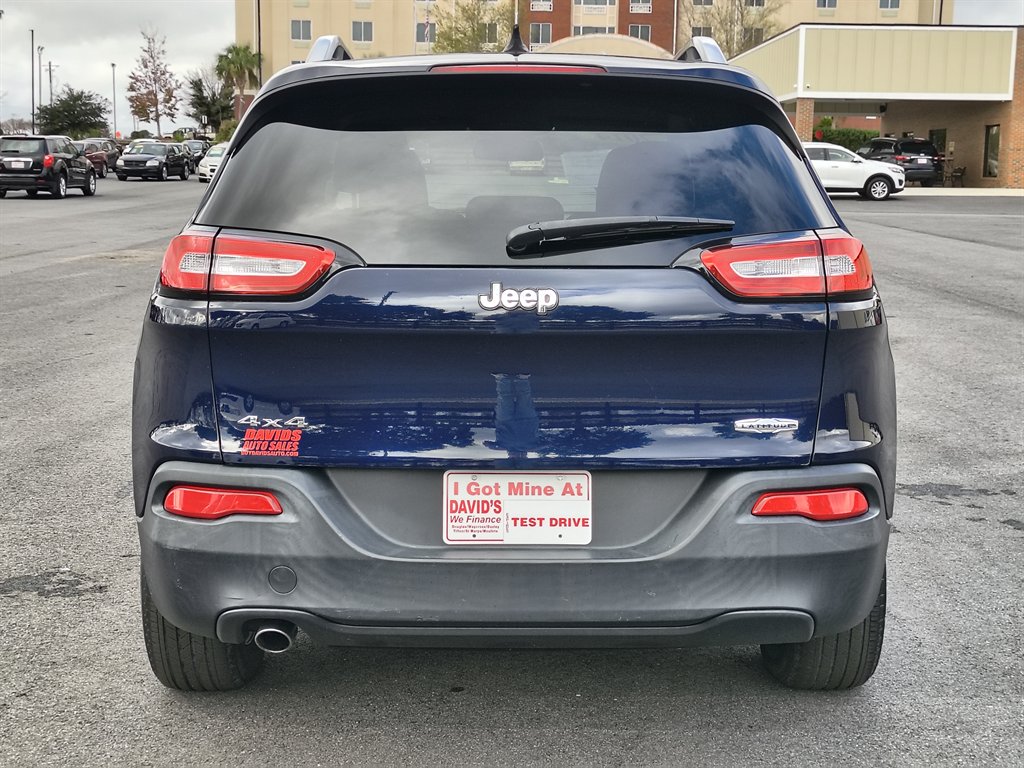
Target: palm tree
point(239, 65)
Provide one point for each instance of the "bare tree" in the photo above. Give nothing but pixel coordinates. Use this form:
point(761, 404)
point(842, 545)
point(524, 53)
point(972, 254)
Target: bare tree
point(736, 25)
point(15, 125)
point(152, 89)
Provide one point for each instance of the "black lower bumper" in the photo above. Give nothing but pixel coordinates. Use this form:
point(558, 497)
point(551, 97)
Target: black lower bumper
point(704, 572)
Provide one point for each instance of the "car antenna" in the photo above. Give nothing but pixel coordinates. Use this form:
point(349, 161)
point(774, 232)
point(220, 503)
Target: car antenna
point(515, 44)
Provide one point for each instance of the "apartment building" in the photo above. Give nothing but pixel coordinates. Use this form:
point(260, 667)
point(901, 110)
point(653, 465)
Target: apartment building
point(284, 30)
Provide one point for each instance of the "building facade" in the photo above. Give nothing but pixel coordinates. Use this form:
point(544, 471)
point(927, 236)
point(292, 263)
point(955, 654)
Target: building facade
point(284, 30)
point(961, 87)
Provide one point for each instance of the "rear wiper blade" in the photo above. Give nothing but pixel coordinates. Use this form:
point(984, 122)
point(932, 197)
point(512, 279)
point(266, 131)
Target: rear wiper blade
point(543, 238)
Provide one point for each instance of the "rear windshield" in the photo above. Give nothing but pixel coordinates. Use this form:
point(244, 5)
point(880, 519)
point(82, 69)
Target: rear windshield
point(446, 183)
point(22, 146)
point(917, 148)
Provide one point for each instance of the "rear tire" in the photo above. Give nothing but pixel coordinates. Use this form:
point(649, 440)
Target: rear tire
point(90, 185)
point(32, 192)
point(122, 178)
point(163, 173)
point(103, 171)
point(3, 194)
point(184, 173)
point(60, 187)
point(188, 662)
point(928, 183)
point(833, 662)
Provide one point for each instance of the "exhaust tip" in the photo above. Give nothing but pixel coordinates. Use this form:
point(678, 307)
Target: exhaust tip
point(275, 636)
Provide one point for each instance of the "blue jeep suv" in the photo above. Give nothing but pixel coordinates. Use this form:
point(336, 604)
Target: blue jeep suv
point(391, 392)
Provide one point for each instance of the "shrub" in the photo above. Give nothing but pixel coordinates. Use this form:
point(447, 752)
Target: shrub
point(851, 138)
point(226, 130)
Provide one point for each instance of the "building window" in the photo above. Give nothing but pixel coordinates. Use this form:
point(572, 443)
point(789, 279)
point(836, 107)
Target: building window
point(753, 36)
point(302, 29)
point(577, 31)
point(826, 3)
point(642, 31)
point(540, 34)
point(362, 32)
point(700, 32)
point(754, 3)
point(297, 61)
point(426, 32)
point(540, 5)
point(489, 33)
point(594, 2)
point(889, 5)
point(639, 6)
point(991, 151)
point(703, 2)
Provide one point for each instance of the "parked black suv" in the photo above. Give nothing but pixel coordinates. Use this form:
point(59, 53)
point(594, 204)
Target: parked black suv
point(44, 164)
point(918, 158)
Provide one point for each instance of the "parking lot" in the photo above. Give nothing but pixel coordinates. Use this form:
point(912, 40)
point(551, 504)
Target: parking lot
point(75, 687)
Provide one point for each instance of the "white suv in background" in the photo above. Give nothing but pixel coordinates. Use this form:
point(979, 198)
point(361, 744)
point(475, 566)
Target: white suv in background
point(840, 170)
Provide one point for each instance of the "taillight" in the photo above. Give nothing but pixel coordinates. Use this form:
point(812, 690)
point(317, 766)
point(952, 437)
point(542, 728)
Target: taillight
point(262, 267)
point(765, 270)
point(900, 158)
point(847, 267)
point(820, 505)
point(203, 503)
point(186, 264)
point(792, 267)
point(47, 161)
point(244, 266)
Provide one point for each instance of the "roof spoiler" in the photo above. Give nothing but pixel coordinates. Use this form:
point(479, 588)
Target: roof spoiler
point(329, 48)
point(702, 49)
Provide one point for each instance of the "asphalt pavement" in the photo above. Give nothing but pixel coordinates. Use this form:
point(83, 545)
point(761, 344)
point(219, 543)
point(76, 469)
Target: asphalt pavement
point(75, 687)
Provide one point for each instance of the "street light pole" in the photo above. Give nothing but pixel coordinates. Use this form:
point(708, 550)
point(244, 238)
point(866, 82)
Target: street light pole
point(113, 88)
point(40, 50)
point(32, 68)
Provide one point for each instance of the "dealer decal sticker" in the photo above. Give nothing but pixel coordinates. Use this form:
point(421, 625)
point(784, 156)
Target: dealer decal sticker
point(271, 442)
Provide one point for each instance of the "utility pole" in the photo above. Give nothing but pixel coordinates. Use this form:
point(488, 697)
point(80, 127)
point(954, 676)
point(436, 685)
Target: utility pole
point(113, 88)
point(32, 68)
point(49, 69)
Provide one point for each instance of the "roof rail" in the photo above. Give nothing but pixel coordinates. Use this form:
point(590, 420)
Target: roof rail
point(329, 48)
point(702, 49)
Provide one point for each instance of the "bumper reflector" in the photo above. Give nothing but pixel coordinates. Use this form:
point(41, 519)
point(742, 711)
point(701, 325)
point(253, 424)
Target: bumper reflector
point(214, 503)
point(820, 505)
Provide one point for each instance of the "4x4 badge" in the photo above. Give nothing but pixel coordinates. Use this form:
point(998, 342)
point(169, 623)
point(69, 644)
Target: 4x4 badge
point(766, 426)
point(541, 300)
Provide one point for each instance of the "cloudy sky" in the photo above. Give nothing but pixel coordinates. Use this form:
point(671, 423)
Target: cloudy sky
point(83, 37)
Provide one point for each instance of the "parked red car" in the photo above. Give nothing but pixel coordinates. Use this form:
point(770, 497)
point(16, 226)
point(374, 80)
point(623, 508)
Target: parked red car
point(103, 154)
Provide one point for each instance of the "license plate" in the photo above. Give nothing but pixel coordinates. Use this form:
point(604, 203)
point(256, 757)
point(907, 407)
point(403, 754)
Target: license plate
point(921, 160)
point(19, 164)
point(517, 508)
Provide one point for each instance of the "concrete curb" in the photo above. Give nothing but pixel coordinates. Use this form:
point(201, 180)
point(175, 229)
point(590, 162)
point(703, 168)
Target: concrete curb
point(961, 192)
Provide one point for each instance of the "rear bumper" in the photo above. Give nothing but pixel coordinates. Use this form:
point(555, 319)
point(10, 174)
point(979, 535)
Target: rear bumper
point(921, 174)
point(711, 574)
point(26, 181)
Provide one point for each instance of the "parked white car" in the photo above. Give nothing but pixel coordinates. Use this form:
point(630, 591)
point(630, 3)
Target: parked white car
point(840, 170)
point(208, 165)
